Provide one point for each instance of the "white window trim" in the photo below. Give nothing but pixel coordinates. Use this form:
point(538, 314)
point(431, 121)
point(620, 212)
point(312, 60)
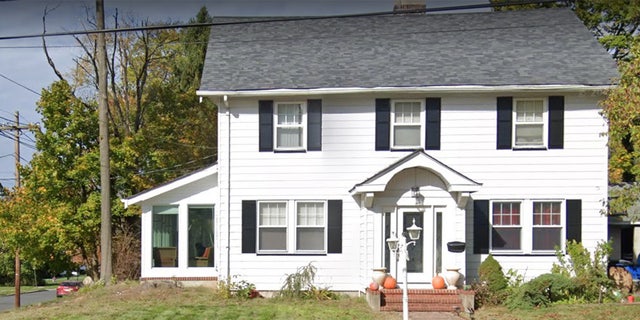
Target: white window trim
point(291, 226)
point(521, 226)
point(324, 226)
point(562, 225)
point(545, 123)
point(285, 226)
point(420, 123)
point(302, 125)
point(526, 226)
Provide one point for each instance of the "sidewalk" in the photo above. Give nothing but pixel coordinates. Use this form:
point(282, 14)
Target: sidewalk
point(431, 316)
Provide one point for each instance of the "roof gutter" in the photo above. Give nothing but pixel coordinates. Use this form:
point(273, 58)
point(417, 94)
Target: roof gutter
point(431, 89)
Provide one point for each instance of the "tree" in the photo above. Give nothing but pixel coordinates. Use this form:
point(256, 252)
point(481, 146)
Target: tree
point(158, 131)
point(621, 109)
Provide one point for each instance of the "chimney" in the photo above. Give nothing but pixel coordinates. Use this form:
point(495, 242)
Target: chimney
point(401, 5)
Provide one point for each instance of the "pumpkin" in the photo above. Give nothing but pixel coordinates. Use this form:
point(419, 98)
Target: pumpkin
point(389, 282)
point(373, 286)
point(438, 282)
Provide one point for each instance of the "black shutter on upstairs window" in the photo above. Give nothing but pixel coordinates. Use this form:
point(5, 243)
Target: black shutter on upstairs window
point(556, 122)
point(265, 119)
point(334, 222)
point(481, 226)
point(574, 220)
point(505, 115)
point(314, 125)
point(249, 226)
point(383, 124)
point(433, 110)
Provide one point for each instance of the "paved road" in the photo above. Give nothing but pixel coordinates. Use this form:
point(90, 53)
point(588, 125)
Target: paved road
point(6, 302)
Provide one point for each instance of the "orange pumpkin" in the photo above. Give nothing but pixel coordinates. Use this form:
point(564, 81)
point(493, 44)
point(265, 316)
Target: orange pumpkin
point(389, 282)
point(373, 286)
point(438, 282)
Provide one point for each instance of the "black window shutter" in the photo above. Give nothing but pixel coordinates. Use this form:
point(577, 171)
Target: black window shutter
point(249, 214)
point(433, 109)
point(481, 226)
point(574, 220)
point(505, 115)
point(314, 125)
point(265, 110)
point(556, 122)
point(383, 124)
point(334, 222)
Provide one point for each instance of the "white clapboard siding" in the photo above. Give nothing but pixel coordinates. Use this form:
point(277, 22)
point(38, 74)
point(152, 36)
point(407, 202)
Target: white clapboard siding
point(468, 145)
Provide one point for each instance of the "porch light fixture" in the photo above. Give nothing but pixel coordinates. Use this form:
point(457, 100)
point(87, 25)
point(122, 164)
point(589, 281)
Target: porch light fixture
point(399, 247)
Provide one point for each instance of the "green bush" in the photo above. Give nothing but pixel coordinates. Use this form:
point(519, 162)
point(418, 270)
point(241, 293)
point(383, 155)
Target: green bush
point(588, 272)
point(300, 285)
point(492, 288)
point(542, 291)
point(232, 288)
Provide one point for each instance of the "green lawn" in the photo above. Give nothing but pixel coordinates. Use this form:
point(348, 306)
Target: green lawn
point(11, 290)
point(132, 301)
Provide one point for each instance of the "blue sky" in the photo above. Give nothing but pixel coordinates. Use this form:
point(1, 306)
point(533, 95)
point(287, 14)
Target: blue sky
point(23, 61)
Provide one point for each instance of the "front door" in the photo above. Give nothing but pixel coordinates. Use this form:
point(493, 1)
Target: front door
point(425, 257)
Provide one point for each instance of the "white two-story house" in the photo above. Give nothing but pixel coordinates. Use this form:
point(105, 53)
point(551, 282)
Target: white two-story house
point(338, 133)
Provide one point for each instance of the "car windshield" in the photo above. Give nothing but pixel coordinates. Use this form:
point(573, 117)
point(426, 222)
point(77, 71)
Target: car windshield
point(70, 284)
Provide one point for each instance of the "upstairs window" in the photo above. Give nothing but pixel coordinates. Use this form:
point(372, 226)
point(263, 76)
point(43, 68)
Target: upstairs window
point(290, 126)
point(406, 126)
point(529, 123)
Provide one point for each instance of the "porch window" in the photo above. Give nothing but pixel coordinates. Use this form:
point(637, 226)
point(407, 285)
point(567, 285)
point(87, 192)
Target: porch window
point(164, 236)
point(529, 124)
point(201, 245)
point(272, 226)
point(290, 126)
point(310, 226)
point(506, 231)
point(547, 229)
point(405, 124)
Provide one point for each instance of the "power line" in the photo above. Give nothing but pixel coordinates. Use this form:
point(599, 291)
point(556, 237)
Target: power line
point(284, 19)
point(19, 84)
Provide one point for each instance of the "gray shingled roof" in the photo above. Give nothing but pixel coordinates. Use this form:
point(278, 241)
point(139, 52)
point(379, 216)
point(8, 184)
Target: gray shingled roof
point(532, 47)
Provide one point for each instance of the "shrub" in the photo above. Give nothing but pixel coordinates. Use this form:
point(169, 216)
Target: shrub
point(300, 285)
point(542, 291)
point(491, 290)
point(236, 289)
point(587, 272)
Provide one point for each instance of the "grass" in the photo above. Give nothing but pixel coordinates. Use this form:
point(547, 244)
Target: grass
point(4, 291)
point(132, 301)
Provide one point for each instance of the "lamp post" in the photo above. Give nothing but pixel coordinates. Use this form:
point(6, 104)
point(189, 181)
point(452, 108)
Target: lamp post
point(399, 247)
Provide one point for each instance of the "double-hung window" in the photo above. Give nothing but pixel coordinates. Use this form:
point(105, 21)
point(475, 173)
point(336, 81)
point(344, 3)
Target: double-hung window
point(529, 124)
point(506, 231)
point(310, 226)
point(282, 223)
point(272, 226)
point(406, 126)
point(547, 228)
point(290, 126)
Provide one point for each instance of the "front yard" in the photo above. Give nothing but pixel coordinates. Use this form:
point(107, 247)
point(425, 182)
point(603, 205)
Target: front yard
point(133, 301)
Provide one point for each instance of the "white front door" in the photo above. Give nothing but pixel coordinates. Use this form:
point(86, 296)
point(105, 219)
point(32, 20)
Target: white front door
point(425, 257)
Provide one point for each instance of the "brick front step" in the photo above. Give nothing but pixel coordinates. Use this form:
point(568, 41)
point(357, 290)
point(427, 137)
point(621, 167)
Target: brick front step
point(425, 300)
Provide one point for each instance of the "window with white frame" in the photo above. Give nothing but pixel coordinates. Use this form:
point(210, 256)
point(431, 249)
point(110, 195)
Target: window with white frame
point(506, 231)
point(307, 221)
point(272, 226)
point(310, 226)
point(290, 126)
point(547, 227)
point(529, 123)
point(406, 126)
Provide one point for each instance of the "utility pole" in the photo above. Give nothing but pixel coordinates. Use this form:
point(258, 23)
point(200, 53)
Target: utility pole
point(105, 170)
point(16, 138)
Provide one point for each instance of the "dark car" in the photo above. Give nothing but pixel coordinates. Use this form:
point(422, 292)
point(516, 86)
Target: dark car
point(67, 287)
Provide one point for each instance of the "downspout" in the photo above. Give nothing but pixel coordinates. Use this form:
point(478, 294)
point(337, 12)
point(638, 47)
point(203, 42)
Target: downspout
point(225, 100)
